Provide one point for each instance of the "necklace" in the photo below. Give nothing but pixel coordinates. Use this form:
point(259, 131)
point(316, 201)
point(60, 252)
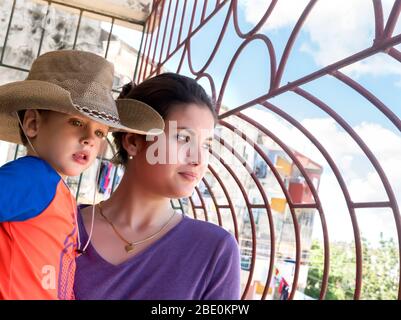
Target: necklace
point(130, 245)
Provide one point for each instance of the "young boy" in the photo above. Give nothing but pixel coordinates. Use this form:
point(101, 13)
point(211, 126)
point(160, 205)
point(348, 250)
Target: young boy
point(62, 113)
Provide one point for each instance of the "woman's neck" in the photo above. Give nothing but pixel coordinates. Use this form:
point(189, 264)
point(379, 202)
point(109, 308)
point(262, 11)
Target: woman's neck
point(133, 205)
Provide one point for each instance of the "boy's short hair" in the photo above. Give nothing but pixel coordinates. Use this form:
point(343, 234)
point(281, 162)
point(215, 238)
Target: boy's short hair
point(21, 115)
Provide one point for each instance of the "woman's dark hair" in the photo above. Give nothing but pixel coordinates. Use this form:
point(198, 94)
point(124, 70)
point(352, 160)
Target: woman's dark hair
point(163, 93)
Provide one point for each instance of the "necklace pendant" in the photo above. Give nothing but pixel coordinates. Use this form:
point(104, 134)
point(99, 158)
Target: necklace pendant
point(129, 248)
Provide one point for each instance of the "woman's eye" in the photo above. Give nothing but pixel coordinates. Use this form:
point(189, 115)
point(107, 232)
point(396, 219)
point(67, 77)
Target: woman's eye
point(76, 123)
point(207, 146)
point(183, 138)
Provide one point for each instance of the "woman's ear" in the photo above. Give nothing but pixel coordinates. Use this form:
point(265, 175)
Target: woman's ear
point(132, 143)
point(31, 123)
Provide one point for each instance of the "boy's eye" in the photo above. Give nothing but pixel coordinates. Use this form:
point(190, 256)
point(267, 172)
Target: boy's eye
point(76, 123)
point(100, 134)
point(183, 138)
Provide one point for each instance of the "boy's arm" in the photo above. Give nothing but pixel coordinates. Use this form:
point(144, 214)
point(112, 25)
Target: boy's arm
point(27, 185)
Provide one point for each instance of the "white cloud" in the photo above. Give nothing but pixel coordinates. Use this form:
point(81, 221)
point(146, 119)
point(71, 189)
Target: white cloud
point(286, 12)
point(336, 30)
point(362, 181)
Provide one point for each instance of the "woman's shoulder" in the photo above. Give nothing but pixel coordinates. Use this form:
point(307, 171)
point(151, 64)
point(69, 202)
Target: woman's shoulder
point(207, 231)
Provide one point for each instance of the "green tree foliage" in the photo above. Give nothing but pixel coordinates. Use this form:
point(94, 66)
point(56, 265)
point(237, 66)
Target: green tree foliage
point(380, 270)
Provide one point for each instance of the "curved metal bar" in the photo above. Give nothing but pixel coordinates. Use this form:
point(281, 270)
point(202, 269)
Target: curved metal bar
point(370, 97)
point(329, 160)
point(204, 10)
point(372, 158)
point(209, 189)
point(382, 46)
point(203, 203)
point(153, 61)
point(212, 85)
point(290, 43)
point(182, 22)
point(184, 51)
point(392, 20)
point(216, 47)
point(266, 205)
point(179, 45)
point(272, 56)
point(181, 206)
point(230, 204)
point(314, 193)
point(172, 29)
point(142, 55)
point(164, 36)
point(394, 53)
point(150, 42)
point(259, 25)
point(379, 20)
point(253, 227)
point(193, 207)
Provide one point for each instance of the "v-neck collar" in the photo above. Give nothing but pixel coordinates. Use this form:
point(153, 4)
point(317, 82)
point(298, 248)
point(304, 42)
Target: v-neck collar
point(155, 244)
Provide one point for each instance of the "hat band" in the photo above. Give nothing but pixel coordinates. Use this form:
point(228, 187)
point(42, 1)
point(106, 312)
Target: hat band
point(98, 114)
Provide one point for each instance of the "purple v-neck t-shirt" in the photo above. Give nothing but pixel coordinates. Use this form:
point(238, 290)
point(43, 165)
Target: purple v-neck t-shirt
point(195, 260)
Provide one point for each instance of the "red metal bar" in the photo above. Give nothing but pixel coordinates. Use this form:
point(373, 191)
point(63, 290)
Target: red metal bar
point(153, 62)
point(142, 55)
point(383, 42)
point(152, 29)
point(177, 3)
point(209, 189)
point(184, 52)
point(288, 198)
point(258, 26)
point(266, 204)
point(272, 55)
point(204, 10)
point(394, 53)
point(227, 195)
point(370, 97)
point(203, 203)
point(377, 204)
point(178, 47)
point(307, 179)
point(392, 19)
point(212, 85)
point(390, 193)
point(379, 20)
point(252, 221)
point(164, 36)
point(182, 23)
point(382, 46)
point(290, 43)
point(193, 207)
point(216, 47)
point(305, 205)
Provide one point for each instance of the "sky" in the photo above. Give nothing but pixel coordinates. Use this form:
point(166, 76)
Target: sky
point(333, 31)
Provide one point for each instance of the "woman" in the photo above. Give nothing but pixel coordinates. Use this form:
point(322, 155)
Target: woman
point(140, 247)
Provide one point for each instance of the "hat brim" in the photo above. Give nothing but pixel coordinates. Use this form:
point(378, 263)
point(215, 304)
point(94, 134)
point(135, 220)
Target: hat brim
point(35, 94)
point(139, 115)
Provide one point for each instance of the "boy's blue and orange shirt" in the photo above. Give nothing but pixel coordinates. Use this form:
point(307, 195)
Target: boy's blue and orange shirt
point(37, 232)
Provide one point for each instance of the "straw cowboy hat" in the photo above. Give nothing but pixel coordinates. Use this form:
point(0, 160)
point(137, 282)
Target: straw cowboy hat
point(76, 83)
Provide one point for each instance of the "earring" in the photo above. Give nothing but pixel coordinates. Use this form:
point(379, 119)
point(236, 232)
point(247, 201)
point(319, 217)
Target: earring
point(130, 157)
